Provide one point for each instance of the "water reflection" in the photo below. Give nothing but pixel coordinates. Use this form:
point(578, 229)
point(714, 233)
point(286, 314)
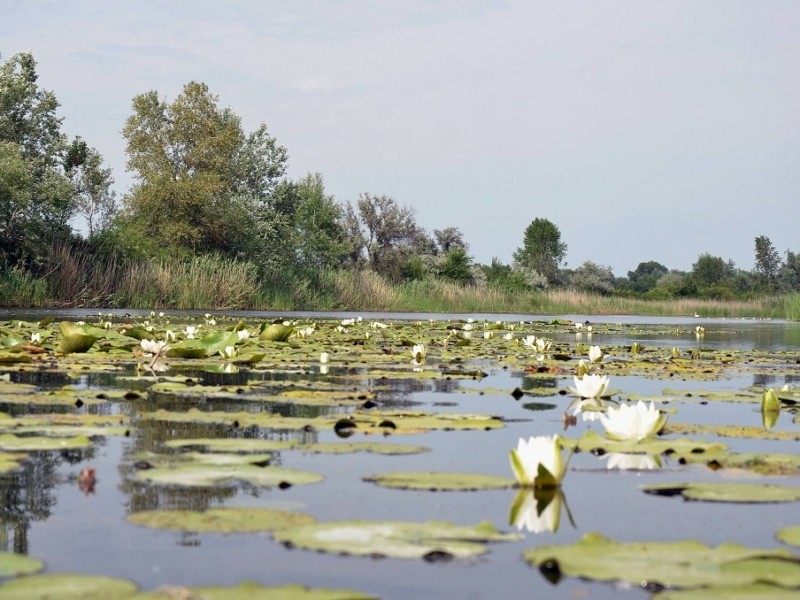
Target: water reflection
point(631, 462)
point(538, 510)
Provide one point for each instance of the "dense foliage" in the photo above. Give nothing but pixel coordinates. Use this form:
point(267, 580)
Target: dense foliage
point(206, 188)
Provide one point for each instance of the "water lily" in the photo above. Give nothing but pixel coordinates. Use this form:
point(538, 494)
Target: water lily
point(631, 462)
point(378, 325)
point(467, 327)
point(590, 409)
point(582, 369)
point(508, 336)
point(633, 422)
point(595, 354)
point(537, 462)
point(229, 352)
point(529, 341)
point(543, 345)
point(156, 348)
point(418, 353)
point(323, 357)
point(487, 335)
point(699, 331)
point(169, 336)
point(191, 331)
point(36, 338)
point(590, 386)
point(243, 334)
point(676, 353)
point(578, 325)
point(348, 322)
point(770, 408)
point(537, 511)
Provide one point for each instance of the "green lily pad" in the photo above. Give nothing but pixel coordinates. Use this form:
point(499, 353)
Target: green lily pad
point(764, 464)
point(232, 444)
point(680, 564)
point(733, 431)
point(221, 520)
point(790, 535)
point(277, 333)
point(592, 441)
point(372, 447)
point(210, 474)
point(249, 590)
point(74, 338)
point(397, 539)
point(29, 444)
point(11, 461)
point(726, 492)
point(440, 482)
point(12, 564)
point(66, 586)
point(754, 591)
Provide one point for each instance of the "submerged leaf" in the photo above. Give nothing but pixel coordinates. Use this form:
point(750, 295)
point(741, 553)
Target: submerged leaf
point(221, 520)
point(67, 586)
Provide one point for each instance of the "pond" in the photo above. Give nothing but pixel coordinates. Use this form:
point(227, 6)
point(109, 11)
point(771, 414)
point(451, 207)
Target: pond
point(105, 447)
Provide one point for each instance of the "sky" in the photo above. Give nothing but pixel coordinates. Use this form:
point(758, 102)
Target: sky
point(644, 129)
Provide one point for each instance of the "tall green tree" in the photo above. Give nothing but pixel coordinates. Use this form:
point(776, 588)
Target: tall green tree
point(37, 198)
point(542, 250)
point(767, 263)
point(713, 276)
point(95, 200)
point(646, 276)
point(321, 240)
point(201, 182)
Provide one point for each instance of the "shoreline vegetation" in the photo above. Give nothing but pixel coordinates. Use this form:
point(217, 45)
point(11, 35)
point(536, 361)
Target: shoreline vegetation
point(208, 282)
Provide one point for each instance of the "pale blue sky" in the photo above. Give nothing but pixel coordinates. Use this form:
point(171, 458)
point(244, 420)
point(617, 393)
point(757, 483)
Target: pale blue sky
point(646, 130)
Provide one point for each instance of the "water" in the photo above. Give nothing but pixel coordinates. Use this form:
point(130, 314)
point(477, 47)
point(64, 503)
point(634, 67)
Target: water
point(46, 515)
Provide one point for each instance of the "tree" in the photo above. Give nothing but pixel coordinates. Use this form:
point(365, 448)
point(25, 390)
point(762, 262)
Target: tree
point(201, 182)
point(712, 275)
point(591, 277)
point(321, 241)
point(542, 250)
point(790, 272)
point(767, 263)
point(646, 276)
point(37, 198)
point(450, 238)
point(95, 199)
point(381, 233)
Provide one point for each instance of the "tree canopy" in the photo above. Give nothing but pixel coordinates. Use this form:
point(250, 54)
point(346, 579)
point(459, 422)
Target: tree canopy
point(542, 249)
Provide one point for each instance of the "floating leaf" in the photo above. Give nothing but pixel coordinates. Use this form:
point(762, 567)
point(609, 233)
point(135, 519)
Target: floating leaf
point(373, 447)
point(754, 591)
point(232, 444)
point(790, 535)
point(441, 482)
point(221, 520)
point(680, 564)
point(12, 564)
point(397, 539)
point(734, 431)
point(250, 590)
point(66, 586)
point(277, 333)
point(726, 492)
point(74, 338)
point(29, 444)
point(227, 474)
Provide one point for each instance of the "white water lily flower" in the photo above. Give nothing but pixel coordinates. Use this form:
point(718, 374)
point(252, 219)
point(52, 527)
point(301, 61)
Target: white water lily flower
point(578, 325)
point(543, 345)
point(633, 422)
point(466, 334)
point(348, 322)
point(36, 338)
point(582, 369)
point(243, 334)
point(526, 514)
point(631, 462)
point(323, 369)
point(159, 365)
point(191, 331)
point(529, 341)
point(169, 335)
point(590, 386)
point(467, 327)
point(508, 336)
point(340, 329)
point(378, 325)
point(153, 347)
point(229, 352)
point(537, 462)
point(595, 354)
point(487, 335)
point(323, 357)
point(418, 353)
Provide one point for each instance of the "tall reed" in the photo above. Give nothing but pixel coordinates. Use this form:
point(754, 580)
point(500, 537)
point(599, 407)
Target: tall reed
point(18, 288)
point(792, 306)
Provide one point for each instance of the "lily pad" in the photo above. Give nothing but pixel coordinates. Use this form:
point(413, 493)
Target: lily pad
point(66, 586)
point(681, 564)
point(29, 444)
point(12, 564)
point(754, 591)
point(733, 431)
point(232, 444)
point(591, 441)
point(209, 474)
point(11, 461)
point(397, 539)
point(440, 482)
point(373, 447)
point(790, 535)
point(726, 492)
point(221, 520)
point(277, 333)
point(249, 590)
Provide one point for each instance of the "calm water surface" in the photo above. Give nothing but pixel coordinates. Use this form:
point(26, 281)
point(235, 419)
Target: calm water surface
point(45, 515)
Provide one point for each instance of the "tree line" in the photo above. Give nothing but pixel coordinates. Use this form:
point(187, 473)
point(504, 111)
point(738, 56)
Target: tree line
point(205, 186)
